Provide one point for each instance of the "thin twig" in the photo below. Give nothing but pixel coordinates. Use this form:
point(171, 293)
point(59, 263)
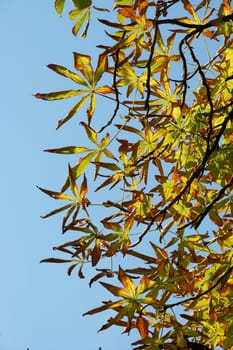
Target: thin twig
point(109, 122)
point(168, 306)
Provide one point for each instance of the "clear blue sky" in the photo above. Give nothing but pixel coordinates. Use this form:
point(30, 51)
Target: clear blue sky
point(40, 306)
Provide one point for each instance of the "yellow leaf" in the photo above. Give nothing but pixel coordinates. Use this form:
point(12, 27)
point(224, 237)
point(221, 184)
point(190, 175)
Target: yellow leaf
point(126, 281)
point(159, 63)
point(91, 133)
point(191, 10)
point(83, 64)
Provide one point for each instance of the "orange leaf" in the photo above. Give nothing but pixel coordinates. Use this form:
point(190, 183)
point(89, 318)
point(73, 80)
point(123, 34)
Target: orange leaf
point(83, 64)
point(83, 188)
point(142, 326)
point(226, 8)
point(128, 12)
point(96, 253)
point(190, 10)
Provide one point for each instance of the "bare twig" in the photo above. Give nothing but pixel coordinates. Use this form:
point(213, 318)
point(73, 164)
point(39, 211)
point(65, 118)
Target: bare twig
point(109, 122)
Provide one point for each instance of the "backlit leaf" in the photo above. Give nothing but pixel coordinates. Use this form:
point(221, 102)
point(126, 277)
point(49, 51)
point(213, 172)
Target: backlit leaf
point(80, 168)
point(91, 134)
point(68, 74)
point(83, 64)
point(56, 195)
point(68, 150)
point(59, 95)
point(73, 111)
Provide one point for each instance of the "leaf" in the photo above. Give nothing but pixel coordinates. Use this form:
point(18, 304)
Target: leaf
point(82, 4)
point(101, 68)
point(55, 260)
point(56, 195)
point(159, 63)
point(110, 166)
point(104, 90)
point(190, 9)
point(70, 269)
point(83, 64)
point(82, 17)
point(67, 74)
point(126, 281)
point(68, 150)
point(59, 95)
point(96, 253)
point(112, 289)
point(73, 185)
point(72, 112)
point(91, 133)
point(215, 218)
point(56, 211)
point(59, 6)
point(114, 180)
point(80, 168)
point(142, 325)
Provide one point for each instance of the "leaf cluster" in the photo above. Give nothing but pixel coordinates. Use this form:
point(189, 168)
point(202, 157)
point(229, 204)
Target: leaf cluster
point(162, 169)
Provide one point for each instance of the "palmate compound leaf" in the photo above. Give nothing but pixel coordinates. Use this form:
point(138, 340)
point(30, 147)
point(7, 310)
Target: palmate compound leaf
point(88, 80)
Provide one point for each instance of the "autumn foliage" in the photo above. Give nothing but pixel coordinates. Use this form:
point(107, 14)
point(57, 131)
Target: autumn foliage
point(155, 226)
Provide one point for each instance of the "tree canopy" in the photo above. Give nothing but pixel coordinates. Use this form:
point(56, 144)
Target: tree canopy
point(149, 197)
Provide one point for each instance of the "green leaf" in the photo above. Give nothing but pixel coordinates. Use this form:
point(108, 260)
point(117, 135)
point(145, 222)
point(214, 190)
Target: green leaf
point(110, 166)
point(59, 6)
point(88, 17)
point(79, 168)
point(82, 17)
point(82, 4)
point(159, 63)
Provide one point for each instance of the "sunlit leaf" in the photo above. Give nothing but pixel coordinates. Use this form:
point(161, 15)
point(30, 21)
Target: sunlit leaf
point(101, 68)
point(158, 117)
point(83, 64)
point(59, 95)
point(159, 63)
point(68, 74)
point(91, 134)
point(56, 195)
point(68, 150)
point(80, 168)
point(73, 111)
